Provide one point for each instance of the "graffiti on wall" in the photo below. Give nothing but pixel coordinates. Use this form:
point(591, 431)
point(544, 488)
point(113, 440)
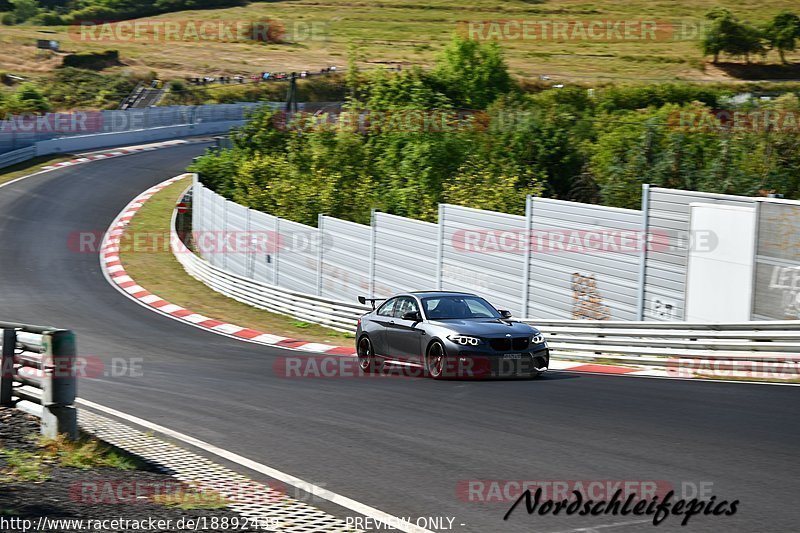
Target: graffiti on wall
point(777, 281)
point(587, 303)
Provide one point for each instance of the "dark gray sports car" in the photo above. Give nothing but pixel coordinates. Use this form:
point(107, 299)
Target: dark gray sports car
point(448, 334)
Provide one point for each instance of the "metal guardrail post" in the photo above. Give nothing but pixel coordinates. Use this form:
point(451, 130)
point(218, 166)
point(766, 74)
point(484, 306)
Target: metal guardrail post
point(645, 239)
point(373, 239)
point(320, 259)
point(250, 251)
point(440, 249)
point(526, 267)
point(223, 249)
point(59, 386)
point(277, 255)
point(7, 366)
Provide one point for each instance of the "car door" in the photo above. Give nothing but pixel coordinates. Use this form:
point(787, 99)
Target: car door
point(404, 337)
point(381, 319)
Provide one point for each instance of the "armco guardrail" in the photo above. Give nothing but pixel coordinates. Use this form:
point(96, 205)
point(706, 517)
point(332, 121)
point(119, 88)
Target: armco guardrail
point(24, 138)
point(38, 375)
point(338, 315)
point(17, 156)
point(772, 345)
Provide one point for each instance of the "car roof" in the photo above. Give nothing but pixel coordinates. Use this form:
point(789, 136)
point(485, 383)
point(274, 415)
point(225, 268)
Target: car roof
point(433, 294)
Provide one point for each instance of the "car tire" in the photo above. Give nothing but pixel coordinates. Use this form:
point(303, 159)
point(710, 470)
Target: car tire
point(435, 360)
point(366, 356)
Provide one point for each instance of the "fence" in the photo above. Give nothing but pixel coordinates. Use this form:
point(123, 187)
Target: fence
point(17, 156)
point(23, 131)
point(38, 375)
point(377, 259)
point(776, 282)
point(668, 214)
point(340, 315)
point(469, 249)
point(758, 348)
point(561, 260)
point(22, 138)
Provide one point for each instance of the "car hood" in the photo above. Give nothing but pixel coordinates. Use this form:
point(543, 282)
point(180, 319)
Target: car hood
point(486, 327)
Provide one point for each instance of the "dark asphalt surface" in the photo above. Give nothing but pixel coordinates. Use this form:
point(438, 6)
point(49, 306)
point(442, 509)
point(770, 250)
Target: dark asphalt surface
point(402, 445)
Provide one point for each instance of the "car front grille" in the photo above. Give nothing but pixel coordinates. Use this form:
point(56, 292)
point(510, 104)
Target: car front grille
point(520, 343)
point(507, 344)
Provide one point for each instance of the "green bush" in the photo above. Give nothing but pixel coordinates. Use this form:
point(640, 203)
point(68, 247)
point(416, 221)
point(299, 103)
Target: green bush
point(74, 88)
point(128, 9)
point(48, 18)
point(92, 60)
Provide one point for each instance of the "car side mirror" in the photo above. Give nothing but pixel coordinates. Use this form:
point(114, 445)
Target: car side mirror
point(505, 314)
point(416, 316)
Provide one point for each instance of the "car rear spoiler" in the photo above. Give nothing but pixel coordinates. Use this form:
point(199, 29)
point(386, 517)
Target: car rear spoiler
point(362, 300)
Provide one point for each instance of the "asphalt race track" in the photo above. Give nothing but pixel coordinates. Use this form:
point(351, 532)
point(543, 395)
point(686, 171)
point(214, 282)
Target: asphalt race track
point(402, 445)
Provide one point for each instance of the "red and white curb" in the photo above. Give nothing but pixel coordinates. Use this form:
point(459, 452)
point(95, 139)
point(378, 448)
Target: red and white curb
point(115, 153)
point(116, 274)
point(595, 368)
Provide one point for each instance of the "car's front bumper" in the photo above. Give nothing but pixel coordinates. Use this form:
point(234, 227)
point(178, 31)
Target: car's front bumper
point(478, 363)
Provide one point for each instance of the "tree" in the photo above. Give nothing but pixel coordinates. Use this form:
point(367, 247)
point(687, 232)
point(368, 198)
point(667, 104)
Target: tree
point(484, 185)
point(28, 99)
point(473, 73)
point(782, 33)
point(24, 10)
point(727, 34)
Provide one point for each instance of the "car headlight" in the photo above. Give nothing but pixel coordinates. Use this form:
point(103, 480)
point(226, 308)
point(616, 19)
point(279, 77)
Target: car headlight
point(465, 340)
point(537, 339)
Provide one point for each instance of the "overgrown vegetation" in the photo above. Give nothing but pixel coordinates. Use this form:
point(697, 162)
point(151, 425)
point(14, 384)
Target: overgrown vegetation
point(391, 151)
point(329, 88)
point(84, 454)
point(69, 88)
point(92, 60)
point(58, 12)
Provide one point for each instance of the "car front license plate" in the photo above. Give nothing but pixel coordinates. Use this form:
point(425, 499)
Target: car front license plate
point(512, 356)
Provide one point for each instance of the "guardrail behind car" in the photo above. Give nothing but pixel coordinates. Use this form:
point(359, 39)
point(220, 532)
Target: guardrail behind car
point(773, 344)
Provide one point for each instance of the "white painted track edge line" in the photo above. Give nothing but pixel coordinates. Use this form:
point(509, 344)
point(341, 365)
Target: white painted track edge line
point(338, 499)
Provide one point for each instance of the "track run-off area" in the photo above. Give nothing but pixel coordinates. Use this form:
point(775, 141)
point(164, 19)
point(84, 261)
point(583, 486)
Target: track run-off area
point(411, 447)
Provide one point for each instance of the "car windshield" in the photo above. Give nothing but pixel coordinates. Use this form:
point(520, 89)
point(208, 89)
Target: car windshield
point(447, 307)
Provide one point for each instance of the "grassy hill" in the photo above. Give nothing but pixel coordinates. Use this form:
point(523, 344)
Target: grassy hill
point(412, 32)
